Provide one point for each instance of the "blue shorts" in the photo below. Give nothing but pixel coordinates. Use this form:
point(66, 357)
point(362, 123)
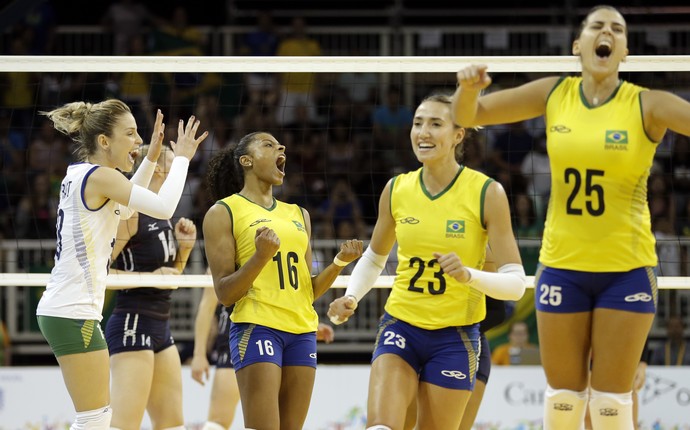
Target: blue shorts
point(136, 332)
point(567, 291)
point(222, 347)
point(446, 357)
point(484, 369)
point(251, 343)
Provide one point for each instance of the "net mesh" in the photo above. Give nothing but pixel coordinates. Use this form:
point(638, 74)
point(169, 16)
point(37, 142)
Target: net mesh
point(345, 122)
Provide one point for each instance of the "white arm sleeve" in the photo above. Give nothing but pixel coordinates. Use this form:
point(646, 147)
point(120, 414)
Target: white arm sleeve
point(163, 204)
point(365, 273)
point(507, 284)
point(141, 177)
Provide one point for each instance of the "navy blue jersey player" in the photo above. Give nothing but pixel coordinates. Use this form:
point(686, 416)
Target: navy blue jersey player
point(145, 364)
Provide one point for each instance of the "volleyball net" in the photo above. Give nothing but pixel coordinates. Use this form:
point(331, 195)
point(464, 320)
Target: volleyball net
point(345, 124)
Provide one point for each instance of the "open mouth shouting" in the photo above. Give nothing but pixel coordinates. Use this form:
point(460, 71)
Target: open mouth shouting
point(133, 155)
point(603, 50)
point(280, 163)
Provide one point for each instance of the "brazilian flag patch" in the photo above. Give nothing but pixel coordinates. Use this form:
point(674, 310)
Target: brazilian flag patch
point(617, 136)
point(455, 226)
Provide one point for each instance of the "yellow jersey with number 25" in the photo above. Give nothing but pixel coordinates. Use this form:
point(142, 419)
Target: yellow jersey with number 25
point(598, 218)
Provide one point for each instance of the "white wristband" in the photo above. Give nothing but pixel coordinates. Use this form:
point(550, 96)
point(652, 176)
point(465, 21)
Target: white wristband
point(338, 262)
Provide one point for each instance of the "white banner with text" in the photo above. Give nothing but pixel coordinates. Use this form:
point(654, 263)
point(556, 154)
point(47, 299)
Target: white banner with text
point(35, 398)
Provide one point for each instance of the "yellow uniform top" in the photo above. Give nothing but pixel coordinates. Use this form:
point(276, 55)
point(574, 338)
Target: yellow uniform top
point(282, 296)
point(451, 221)
point(598, 218)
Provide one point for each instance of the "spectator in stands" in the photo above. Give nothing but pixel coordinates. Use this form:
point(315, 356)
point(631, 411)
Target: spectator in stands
point(432, 315)
point(144, 362)
point(13, 146)
point(391, 127)
point(134, 87)
point(261, 42)
point(341, 206)
point(94, 196)
point(37, 210)
point(259, 113)
point(598, 246)
point(474, 153)
point(342, 152)
point(661, 199)
point(680, 165)
point(518, 349)
point(38, 28)
point(176, 36)
point(526, 225)
point(536, 172)
point(668, 247)
point(260, 256)
point(297, 88)
point(48, 152)
point(675, 350)
point(125, 19)
point(19, 90)
point(509, 150)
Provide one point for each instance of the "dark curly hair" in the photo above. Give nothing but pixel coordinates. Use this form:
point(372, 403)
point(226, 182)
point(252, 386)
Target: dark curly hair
point(225, 174)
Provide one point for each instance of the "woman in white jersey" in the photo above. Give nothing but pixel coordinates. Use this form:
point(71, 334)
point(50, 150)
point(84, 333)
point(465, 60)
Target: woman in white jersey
point(596, 285)
point(94, 196)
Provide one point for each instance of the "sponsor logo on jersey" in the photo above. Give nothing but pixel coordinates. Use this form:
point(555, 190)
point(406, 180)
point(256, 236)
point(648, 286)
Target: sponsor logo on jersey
point(153, 226)
point(616, 140)
point(455, 228)
point(408, 220)
point(259, 221)
point(559, 128)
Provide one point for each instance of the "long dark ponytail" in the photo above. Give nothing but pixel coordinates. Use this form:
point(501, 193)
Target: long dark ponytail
point(225, 174)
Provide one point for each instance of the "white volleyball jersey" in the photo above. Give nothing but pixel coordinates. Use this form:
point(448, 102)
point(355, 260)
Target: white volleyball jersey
point(85, 239)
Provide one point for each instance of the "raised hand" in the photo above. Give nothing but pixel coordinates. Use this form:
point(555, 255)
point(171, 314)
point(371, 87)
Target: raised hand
point(187, 142)
point(156, 144)
point(474, 77)
point(350, 250)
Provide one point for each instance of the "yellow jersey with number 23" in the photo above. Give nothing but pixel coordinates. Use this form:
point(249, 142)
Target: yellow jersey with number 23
point(450, 221)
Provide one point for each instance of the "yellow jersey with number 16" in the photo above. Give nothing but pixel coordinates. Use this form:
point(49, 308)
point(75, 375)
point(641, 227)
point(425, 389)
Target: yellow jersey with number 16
point(598, 218)
point(282, 296)
point(450, 221)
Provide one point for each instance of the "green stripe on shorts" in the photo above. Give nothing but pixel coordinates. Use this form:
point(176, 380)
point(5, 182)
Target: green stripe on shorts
point(67, 336)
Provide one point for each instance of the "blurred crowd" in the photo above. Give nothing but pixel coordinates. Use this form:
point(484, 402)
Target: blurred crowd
point(346, 133)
